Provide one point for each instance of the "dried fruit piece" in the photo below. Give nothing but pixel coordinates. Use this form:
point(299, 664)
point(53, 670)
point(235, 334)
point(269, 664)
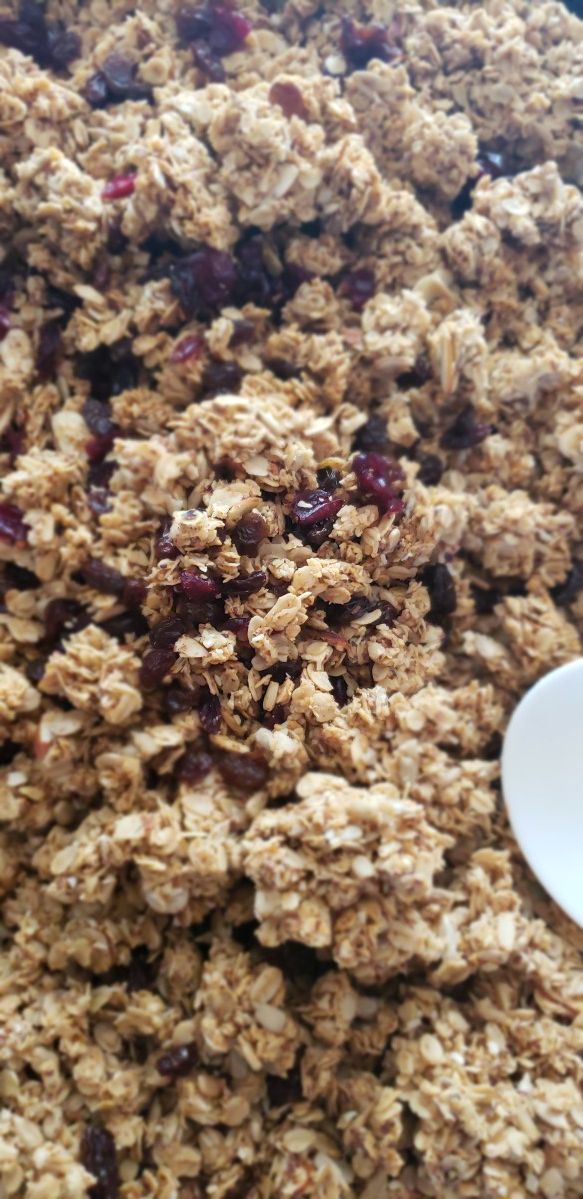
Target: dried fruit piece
point(120, 186)
point(197, 586)
point(209, 711)
point(13, 528)
point(189, 347)
point(358, 287)
point(178, 700)
point(311, 507)
point(98, 1156)
point(339, 689)
point(430, 469)
point(465, 432)
point(243, 772)
point(328, 479)
point(373, 434)
point(194, 766)
point(155, 666)
point(361, 43)
point(221, 377)
point(63, 617)
point(288, 97)
point(239, 625)
point(166, 632)
point(204, 281)
point(102, 577)
point(249, 532)
point(208, 62)
point(441, 588)
point(375, 477)
point(47, 351)
point(177, 1062)
point(245, 585)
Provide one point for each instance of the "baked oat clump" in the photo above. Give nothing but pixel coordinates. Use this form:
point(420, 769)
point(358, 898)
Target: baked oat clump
point(291, 450)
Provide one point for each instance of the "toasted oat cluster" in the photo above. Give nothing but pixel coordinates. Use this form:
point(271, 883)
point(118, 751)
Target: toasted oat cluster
point(291, 458)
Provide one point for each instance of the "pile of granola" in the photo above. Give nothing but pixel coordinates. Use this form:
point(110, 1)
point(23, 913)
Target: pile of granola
point(291, 450)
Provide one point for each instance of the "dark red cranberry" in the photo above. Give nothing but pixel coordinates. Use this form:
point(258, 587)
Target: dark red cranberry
point(119, 187)
point(155, 666)
point(178, 700)
point(373, 434)
point(317, 534)
point(208, 62)
point(5, 322)
point(287, 96)
point(98, 1156)
point(189, 347)
point(567, 592)
point(339, 689)
point(239, 625)
point(166, 632)
point(209, 711)
point(134, 593)
point(276, 716)
point(328, 479)
point(249, 533)
point(194, 766)
point(243, 332)
point(430, 469)
point(193, 24)
point(361, 43)
point(164, 547)
point(221, 377)
point(311, 507)
point(375, 477)
point(204, 281)
point(441, 588)
point(98, 447)
point(229, 30)
point(358, 287)
point(283, 1091)
point(243, 772)
point(96, 91)
point(465, 432)
point(198, 587)
point(13, 529)
point(48, 350)
point(63, 617)
point(120, 75)
point(178, 1062)
point(245, 585)
point(102, 577)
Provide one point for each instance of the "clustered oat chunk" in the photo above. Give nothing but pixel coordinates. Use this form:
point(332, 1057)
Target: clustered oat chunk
point(291, 452)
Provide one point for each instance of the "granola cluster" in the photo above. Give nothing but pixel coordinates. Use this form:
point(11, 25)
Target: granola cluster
point(291, 490)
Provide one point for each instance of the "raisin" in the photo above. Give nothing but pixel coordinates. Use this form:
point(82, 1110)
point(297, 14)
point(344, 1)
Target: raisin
point(243, 772)
point(178, 1062)
point(98, 1156)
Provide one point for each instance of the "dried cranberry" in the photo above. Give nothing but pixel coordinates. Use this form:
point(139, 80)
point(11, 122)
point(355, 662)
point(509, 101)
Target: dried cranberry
point(249, 533)
point(166, 632)
point(178, 700)
point(164, 547)
point(361, 43)
point(339, 689)
point(243, 772)
point(96, 91)
point(120, 75)
point(63, 617)
point(245, 585)
point(47, 351)
point(193, 24)
point(358, 287)
point(288, 282)
point(221, 377)
point(288, 97)
point(119, 187)
point(243, 332)
point(208, 62)
point(567, 592)
point(64, 46)
point(194, 766)
point(375, 477)
point(328, 479)
point(465, 432)
point(154, 667)
point(177, 1062)
point(134, 593)
point(5, 322)
point(276, 716)
point(283, 1091)
point(197, 586)
point(13, 528)
point(188, 347)
point(430, 469)
point(317, 534)
point(206, 280)
point(441, 588)
point(102, 577)
point(209, 711)
point(311, 507)
point(373, 434)
point(229, 30)
point(98, 1156)
point(239, 625)
point(255, 284)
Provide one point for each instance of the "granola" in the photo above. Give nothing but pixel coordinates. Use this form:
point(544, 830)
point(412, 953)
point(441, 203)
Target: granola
point(291, 453)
